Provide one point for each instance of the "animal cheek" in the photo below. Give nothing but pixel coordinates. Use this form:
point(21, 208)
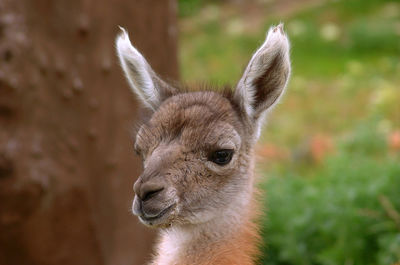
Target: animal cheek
point(171, 192)
point(177, 187)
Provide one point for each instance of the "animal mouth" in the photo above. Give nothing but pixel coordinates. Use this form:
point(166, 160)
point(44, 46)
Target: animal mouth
point(150, 220)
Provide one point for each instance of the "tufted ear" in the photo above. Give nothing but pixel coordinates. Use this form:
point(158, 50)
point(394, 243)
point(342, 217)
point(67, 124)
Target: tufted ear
point(266, 75)
point(141, 77)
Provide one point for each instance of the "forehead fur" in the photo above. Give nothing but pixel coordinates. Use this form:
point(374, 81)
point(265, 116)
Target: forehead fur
point(195, 118)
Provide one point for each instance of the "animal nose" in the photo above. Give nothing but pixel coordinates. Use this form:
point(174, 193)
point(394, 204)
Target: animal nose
point(147, 190)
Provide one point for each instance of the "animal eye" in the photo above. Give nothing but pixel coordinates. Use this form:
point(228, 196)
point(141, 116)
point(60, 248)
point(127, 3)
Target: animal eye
point(221, 157)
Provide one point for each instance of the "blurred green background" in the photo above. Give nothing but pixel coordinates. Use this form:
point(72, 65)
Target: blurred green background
point(329, 158)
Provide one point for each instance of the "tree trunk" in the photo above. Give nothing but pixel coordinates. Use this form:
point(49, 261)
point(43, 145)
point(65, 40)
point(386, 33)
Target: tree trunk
point(66, 118)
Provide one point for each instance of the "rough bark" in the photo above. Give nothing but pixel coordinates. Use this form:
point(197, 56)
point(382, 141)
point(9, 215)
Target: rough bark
point(66, 116)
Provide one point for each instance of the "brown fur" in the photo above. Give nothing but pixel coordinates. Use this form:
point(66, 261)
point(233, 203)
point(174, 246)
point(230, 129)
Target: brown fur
point(206, 211)
point(183, 130)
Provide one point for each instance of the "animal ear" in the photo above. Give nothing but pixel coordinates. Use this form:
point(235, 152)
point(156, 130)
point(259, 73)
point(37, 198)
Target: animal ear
point(141, 77)
point(266, 75)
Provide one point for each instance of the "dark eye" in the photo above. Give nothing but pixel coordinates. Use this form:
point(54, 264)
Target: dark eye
point(221, 157)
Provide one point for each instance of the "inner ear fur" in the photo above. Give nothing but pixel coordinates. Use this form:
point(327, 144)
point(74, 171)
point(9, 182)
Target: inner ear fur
point(266, 75)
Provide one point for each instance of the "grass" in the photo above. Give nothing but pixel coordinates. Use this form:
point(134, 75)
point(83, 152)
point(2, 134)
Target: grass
point(329, 153)
point(345, 211)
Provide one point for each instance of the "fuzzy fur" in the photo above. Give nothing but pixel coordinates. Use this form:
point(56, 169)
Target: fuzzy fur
point(206, 213)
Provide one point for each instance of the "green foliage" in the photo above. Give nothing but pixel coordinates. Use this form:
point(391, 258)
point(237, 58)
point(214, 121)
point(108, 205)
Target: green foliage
point(188, 7)
point(371, 35)
point(340, 213)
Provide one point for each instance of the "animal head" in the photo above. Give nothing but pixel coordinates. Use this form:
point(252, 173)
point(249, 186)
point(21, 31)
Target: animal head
point(197, 145)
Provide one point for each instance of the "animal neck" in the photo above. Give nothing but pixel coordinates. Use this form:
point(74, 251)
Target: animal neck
point(230, 239)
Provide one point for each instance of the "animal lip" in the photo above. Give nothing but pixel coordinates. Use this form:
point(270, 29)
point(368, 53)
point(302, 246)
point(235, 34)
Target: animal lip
point(161, 214)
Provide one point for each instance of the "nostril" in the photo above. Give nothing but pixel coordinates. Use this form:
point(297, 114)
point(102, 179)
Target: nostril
point(150, 194)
